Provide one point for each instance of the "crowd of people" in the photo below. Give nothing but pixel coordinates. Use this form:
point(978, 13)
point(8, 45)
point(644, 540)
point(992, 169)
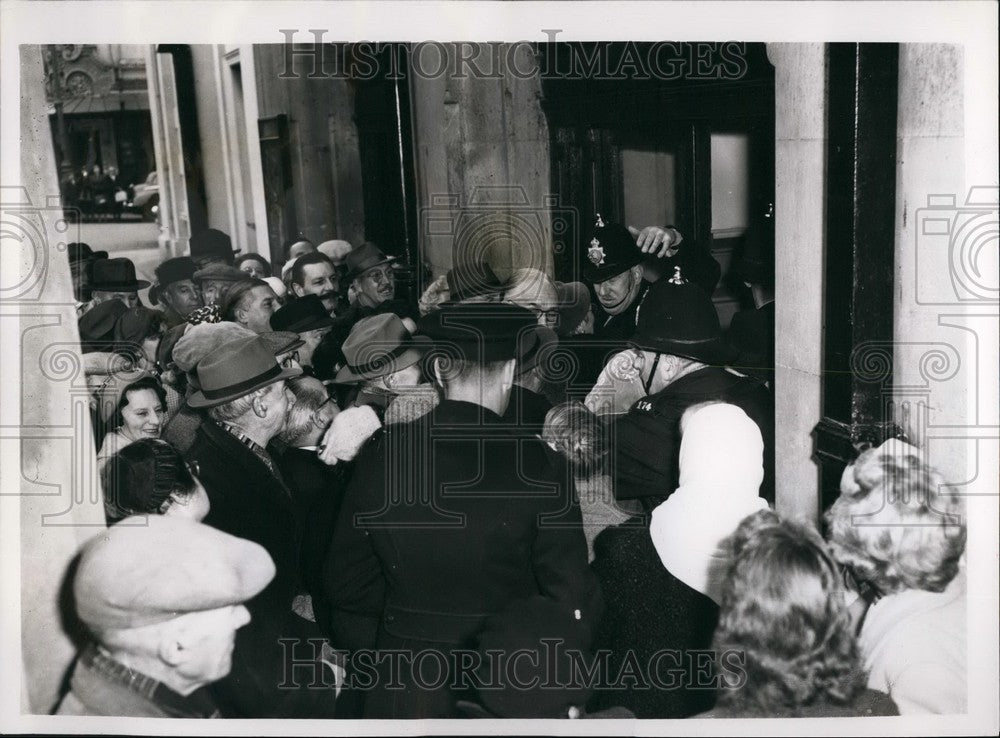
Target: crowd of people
point(513, 497)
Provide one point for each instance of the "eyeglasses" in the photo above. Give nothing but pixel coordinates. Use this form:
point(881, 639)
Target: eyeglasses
point(290, 359)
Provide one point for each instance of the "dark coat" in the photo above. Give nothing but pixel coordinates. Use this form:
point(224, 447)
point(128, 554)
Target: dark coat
point(446, 520)
point(751, 332)
point(526, 409)
point(648, 610)
point(646, 440)
point(248, 501)
point(317, 491)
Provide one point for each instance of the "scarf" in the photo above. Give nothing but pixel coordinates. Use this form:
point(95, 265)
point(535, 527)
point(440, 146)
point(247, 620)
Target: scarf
point(721, 470)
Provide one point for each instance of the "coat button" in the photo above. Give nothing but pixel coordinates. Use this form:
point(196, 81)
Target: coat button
point(390, 618)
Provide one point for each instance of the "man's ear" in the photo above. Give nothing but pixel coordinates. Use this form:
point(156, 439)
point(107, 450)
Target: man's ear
point(173, 648)
point(638, 271)
point(297, 289)
point(258, 404)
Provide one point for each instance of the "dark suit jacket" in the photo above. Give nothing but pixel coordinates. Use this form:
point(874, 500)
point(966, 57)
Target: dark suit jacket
point(446, 520)
point(646, 441)
point(317, 491)
point(751, 332)
point(248, 501)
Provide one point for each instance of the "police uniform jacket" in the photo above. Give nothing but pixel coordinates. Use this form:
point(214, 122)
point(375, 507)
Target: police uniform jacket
point(646, 441)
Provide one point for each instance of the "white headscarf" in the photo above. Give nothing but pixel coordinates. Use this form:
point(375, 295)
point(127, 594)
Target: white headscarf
point(721, 470)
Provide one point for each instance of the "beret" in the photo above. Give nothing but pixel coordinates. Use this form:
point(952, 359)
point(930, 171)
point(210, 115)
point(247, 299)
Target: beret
point(149, 569)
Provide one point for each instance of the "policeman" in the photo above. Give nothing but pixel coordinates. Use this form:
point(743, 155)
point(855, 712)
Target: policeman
point(682, 359)
point(614, 266)
point(450, 517)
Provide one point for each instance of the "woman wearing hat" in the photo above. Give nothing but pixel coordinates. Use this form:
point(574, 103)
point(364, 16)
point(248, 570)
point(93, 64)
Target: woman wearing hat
point(139, 413)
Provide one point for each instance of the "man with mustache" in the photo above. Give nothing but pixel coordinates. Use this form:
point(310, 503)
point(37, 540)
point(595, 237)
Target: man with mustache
point(314, 274)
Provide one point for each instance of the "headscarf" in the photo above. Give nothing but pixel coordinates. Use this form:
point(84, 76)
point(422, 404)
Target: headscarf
point(721, 470)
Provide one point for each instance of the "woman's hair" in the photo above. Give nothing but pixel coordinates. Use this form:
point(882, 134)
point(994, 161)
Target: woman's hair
point(896, 524)
point(783, 609)
point(577, 434)
point(144, 383)
point(144, 477)
point(254, 257)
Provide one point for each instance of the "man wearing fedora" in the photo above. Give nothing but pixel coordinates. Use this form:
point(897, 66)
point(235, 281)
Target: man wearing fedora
point(614, 265)
point(370, 273)
point(242, 388)
point(683, 359)
point(81, 259)
point(381, 358)
point(163, 598)
point(114, 279)
point(450, 517)
point(308, 317)
point(175, 289)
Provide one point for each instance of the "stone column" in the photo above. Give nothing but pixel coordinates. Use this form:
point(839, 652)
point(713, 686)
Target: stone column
point(50, 501)
point(800, 141)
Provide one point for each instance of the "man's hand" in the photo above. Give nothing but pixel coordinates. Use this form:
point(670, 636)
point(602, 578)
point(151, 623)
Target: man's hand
point(655, 240)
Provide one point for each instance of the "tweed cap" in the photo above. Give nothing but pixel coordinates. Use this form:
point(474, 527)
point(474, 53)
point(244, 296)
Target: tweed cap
point(220, 273)
point(150, 569)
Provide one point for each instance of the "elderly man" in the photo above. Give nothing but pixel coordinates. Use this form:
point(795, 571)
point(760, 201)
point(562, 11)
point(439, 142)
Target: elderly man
point(681, 358)
point(428, 544)
point(316, 487)
point(163, 598)
point(614, 266)
point(114, 279)
point(309, 318)
point(176, 290)
point(314, 274)
point(81, 258)
point(243, 391)
point(215, 281)
point(251, 303)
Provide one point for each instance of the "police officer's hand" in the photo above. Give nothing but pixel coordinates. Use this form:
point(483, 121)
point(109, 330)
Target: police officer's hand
point(656, 240)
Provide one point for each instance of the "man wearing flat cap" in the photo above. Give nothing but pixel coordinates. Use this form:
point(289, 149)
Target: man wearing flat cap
point(683, 359)
point(449, 517)
point(215, 280)
point(242, 388)
point(614, 264)
point(162, 597)
point(175, 289)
